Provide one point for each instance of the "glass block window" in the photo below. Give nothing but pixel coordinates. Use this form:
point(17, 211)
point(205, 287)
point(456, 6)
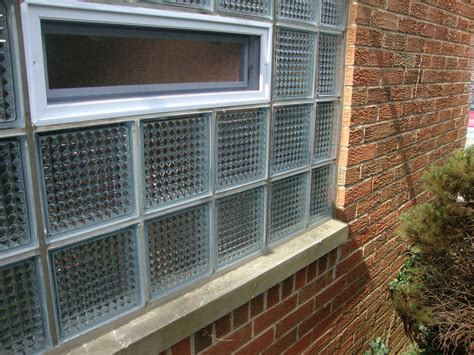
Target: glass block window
point(246, 7)
point(14, 228)
point(241, 146)
point(240, 221)
point(325, 130)
point(288, 206)
point(21, 315)
point(7, 96)
point(329, 64)
point(178, 248)
point(135, 210)
point(294, 53)
point(202, 4)
point(332, 13)
point(176, 158)
point(321, 192)
point(297, 10)
point(95, 280)
point(86, 176)
point(291, 131)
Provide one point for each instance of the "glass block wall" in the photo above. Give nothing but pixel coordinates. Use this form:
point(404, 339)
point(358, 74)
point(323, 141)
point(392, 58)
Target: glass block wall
point(99, 221)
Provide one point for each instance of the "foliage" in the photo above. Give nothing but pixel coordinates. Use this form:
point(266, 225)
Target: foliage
point(434, 292)
point(377, 347)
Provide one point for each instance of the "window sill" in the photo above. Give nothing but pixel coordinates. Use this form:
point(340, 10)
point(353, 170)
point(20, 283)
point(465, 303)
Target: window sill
point(168, 323)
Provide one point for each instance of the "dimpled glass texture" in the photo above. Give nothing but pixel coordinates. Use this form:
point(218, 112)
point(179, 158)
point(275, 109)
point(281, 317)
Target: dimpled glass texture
point(297, 10)
point(249, 7)
point(14, 230)
point(320, 204)
point(294, 53)
point(176, 153)
point(21, 318)
point(95, 280)
point(7, 100)
point(324, 137)
point(288, 205)
point(290, 146)
point(205, 4)
point(86, 176)
point(332, 12)
point(240, 221)
point(178, 246)
point(329, 48)
point(241, 141)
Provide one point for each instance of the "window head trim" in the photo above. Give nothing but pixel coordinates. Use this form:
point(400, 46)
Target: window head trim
point(46, 113)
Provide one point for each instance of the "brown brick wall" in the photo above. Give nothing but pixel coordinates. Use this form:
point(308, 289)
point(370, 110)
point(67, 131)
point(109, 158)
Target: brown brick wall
point(406, 105)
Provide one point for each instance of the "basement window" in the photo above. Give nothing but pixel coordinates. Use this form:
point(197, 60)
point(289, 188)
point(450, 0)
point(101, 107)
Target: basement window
point(87, 62)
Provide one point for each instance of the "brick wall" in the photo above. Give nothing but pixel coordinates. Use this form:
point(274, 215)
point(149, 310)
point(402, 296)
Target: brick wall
point(406, 105)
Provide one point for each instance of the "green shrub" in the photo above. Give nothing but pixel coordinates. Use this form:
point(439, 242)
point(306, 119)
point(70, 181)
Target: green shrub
point(434, 292)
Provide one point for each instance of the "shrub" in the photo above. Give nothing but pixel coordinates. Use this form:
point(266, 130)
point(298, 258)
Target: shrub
point(434, 292)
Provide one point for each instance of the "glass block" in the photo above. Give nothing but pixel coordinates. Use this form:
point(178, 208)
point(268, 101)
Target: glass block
point(288, 206)
point(7, 99)
point(202, 4)
point(321, 192)
point(247, 7)
point(178, 247)
point(325, 132)
point(14, 230)
point(294, 53)
point(241, 146)
point(176, 159)
point(297, 10)
point(21, 317)
point(332, 12)
point(291, 134)
point(86, 176)
point(95, 280)
point(329, 64)
point(240, 220)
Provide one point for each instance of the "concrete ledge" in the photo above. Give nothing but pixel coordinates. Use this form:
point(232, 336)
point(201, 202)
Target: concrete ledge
point(170, 322)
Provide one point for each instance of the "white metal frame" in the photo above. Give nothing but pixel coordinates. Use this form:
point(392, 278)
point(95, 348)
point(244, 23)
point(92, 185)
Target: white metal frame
point(42, 113)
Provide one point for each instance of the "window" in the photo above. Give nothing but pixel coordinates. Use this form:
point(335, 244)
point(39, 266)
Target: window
point(144, 179)
point(130, 61)
point(86, 61)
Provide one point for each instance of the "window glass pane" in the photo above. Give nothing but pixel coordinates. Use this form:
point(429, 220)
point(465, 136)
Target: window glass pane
point(95, 56)
point(14, 230)
point(21, 317)
point(95, 280)
point(7, 101)
point(86, 176)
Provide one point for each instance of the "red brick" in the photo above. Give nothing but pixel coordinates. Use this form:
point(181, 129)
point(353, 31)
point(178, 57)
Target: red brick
point(361, 153)
point(287, 287)
point(385, 20)
point(273, 296)
point(301, 344)
point(378, 95)
point(182, 348)
point(258, 344)
point(369, 38)
point(399, 6)
point(282, 343)
point(272, 315)
point(366, 77)
point(241, 315)
point(223, 326)
point(292, 319)
point(256, 305)
point(364, 115)
point(232, 342)
point(300, 279)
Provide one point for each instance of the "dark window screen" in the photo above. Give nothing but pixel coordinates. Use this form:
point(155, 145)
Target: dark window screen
point(124, 61)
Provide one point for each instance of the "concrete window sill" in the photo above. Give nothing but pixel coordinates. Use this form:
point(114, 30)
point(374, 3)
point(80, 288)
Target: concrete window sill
point(170, 322)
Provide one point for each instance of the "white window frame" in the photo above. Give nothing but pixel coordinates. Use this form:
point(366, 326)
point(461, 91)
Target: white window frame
point(44, 113)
